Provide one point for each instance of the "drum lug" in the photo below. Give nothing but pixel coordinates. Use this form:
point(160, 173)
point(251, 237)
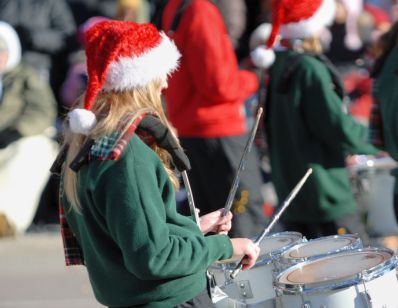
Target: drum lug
point(244, 289)
point(306, 305)
point(367, 299)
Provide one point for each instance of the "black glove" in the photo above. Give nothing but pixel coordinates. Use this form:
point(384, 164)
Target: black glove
point(8, 136)
point(165, 139)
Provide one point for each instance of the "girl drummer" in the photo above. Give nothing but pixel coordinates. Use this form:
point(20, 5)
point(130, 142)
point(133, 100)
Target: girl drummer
point(118, 207)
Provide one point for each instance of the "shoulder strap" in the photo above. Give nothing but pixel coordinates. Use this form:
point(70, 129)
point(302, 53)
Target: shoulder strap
point(177, 18)
point(289, 69)
point(291, 66)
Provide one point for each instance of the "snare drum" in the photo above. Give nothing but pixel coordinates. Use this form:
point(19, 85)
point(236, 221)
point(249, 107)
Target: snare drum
point(255, 285)
point(360, 278)
point(319, 247)
point(373, 187)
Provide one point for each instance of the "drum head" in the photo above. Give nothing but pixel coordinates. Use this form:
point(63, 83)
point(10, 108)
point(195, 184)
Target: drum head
point(340, 266)
point(271, 245)
point(320, 246)
point(278, 242)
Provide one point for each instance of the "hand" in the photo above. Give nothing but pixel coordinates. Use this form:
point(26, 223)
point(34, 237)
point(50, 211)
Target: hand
point(245, 248)
point(215, 222)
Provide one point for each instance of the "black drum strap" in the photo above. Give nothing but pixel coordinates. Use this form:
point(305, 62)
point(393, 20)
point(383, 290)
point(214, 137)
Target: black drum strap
point(177, 18)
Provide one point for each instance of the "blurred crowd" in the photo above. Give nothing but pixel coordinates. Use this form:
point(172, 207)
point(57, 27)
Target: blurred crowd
point(43, 73)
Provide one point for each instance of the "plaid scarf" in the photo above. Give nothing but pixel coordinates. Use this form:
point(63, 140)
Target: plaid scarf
point(105, 148)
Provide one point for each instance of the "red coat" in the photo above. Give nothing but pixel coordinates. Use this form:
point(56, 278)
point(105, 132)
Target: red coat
point(205, 96)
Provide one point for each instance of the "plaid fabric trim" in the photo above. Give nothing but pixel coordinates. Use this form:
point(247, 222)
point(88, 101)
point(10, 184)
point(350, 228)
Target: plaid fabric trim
point(375, 124)
point(72, 250)
point(111, 147)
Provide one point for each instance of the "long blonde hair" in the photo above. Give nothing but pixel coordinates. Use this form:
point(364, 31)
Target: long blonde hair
point(109, 108)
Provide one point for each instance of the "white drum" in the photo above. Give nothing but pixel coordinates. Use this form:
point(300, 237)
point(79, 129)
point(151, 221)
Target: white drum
point(319, 247)
point(373, 187)
point(361, 278)
point(254, 287)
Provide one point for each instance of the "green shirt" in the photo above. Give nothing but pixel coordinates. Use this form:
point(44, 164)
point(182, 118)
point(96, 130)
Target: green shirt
point(306, 126)
point(385, 91)
point(138, 250)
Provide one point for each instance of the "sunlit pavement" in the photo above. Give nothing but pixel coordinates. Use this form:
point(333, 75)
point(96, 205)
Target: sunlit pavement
point(33, 274)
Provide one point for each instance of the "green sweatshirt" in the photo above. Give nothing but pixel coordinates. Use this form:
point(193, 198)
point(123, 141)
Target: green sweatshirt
point(386, 93)
point(138, 250)
point(306, 126)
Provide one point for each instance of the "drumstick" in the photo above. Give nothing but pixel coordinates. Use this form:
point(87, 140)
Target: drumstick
point(235, 183)
point(286, 203)
point(194, 211)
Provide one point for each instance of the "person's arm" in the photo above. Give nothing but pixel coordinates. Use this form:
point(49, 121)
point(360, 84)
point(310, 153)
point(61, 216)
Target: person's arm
point(136, 200)
point(210, 58)
point(324, 114)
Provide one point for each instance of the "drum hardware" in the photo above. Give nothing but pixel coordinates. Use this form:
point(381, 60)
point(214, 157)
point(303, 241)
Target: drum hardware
point(258, 290)
point(305, 304)
point(244, 289)
point(286, 203)
point(366, 297)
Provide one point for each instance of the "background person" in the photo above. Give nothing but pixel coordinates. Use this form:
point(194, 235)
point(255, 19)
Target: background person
point(306, 124)
point(27, 119)
point(205, 103)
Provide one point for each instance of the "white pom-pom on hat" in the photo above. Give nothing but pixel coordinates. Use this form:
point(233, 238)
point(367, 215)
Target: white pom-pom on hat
point(81, 121)
point(262, 57)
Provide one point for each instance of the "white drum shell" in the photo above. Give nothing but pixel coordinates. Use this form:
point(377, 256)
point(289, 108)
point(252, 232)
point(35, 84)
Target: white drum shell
point(255, 286)
point(373, 187)
point(383, 292)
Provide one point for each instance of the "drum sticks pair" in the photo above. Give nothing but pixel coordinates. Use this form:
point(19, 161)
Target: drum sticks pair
point(276, 217)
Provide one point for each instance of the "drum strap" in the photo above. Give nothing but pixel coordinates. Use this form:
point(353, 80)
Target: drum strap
point(177, 18)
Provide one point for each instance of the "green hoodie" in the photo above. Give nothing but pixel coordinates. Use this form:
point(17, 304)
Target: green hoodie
point(306, 126)
point(138, 250)
point(385, 91)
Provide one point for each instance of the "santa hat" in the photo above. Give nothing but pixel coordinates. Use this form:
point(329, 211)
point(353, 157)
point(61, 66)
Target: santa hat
point(122, 55)
point(294, 19)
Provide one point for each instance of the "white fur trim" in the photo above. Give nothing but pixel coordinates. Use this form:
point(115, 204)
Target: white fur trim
point(324, 16)
point(262, 57)
point(260, 35)
point(10, 36)
point(131, 72)
point(81, 121)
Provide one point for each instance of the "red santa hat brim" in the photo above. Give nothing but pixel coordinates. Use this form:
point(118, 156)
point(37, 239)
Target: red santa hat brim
point(324, 16)
point(132, 72)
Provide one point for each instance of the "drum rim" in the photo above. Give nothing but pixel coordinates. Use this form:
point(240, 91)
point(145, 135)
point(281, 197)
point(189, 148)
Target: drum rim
point(364, 276)
point(270, 257)
point(356, 244)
